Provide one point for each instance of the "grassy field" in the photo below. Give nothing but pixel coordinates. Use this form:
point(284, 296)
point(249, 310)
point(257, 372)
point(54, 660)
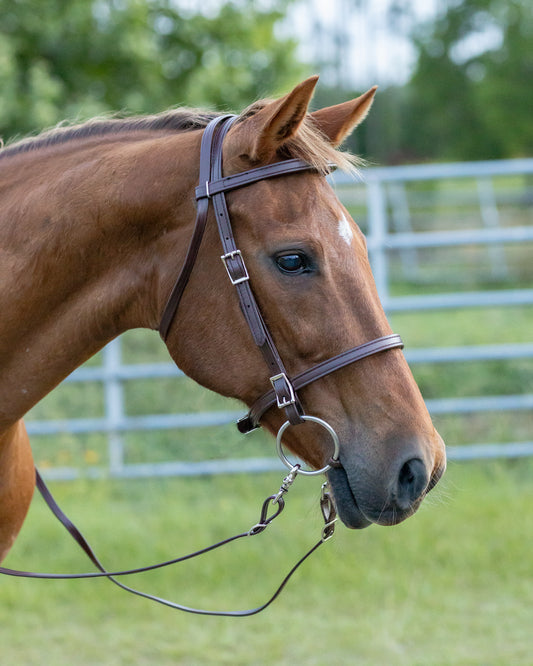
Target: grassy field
point(451, 586)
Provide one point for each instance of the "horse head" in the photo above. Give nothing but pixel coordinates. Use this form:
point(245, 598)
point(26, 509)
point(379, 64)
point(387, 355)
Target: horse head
point(310, 275)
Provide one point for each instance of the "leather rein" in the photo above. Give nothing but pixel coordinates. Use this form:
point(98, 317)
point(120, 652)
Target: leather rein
point(211, 189)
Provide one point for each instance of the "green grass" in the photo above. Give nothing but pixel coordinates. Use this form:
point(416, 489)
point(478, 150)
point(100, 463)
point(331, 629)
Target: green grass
point(481, 326)
point(448, 205)
point(451, 586)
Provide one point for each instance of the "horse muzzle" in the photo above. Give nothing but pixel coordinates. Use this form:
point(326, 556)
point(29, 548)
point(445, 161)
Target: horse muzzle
point(361, 499)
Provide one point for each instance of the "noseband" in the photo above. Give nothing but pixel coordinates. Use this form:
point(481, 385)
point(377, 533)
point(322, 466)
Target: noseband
point(212, 187)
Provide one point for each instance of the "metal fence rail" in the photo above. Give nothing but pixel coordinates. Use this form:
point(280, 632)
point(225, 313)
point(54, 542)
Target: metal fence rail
point(388, 229)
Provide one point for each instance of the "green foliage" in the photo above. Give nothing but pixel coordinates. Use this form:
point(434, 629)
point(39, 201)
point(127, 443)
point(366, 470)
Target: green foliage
point(79, 59)
point(470, 96)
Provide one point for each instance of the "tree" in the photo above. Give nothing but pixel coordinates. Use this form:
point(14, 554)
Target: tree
point(86, 57)
point(470, 96)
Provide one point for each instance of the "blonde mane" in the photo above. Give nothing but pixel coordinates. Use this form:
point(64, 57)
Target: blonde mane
point(309, 144)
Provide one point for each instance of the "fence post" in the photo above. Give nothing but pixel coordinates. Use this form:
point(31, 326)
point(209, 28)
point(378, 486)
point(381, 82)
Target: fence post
point(114, 405)
point(377, 237)
point(491, 220)
point(401, 221)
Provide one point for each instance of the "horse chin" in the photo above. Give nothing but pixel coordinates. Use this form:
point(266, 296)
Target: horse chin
point(345, 502)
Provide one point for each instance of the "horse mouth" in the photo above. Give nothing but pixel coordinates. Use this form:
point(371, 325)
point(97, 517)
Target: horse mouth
point(357, 517)
point(345, 502)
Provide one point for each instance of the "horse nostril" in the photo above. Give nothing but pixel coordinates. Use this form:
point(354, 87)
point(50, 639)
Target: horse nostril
point(412, 481)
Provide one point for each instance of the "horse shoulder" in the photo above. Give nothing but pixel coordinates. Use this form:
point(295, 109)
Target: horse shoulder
point(17, 481)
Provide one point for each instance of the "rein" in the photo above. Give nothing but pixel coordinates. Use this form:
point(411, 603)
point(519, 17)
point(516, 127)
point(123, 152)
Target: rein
point(211, 189)
point(268, 514)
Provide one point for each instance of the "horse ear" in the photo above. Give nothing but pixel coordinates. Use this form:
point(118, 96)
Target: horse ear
point(338, 121)
point(261, 135)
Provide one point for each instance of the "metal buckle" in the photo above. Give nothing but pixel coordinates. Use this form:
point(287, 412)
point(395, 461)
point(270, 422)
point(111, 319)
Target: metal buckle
point(328, 512)
point(287, 388)
point(232, 255)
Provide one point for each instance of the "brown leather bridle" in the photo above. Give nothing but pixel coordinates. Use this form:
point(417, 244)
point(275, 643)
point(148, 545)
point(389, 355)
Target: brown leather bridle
point(212, 187)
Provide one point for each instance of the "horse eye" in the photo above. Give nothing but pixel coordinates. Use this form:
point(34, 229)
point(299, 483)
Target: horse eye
point(292, 263)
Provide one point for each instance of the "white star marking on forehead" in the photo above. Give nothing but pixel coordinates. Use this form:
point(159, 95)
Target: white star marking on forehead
point(345, 230)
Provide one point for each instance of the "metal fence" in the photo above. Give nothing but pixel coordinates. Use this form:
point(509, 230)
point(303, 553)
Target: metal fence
point(395, 240)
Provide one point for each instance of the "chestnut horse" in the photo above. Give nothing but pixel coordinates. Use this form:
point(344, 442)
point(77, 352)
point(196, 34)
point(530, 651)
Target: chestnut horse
point(95, 224)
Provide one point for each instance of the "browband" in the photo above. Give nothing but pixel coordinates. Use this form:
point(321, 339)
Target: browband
point(209, 189)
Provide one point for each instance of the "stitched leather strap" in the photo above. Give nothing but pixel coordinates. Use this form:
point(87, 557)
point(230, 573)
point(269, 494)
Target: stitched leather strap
point(239, 180)
point(268, 400)
point(238, 274)
point(211, 172)
point(209, 185)
point(198, 233)
point(212, 187)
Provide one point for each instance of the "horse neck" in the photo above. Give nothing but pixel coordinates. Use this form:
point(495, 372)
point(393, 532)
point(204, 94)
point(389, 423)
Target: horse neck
point(86, 233)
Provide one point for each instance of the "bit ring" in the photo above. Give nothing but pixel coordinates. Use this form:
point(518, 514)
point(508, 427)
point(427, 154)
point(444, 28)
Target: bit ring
point(289, 464)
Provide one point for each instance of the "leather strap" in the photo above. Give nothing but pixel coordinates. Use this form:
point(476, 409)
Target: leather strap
point(211, 172)
point(238, 274)
point(198, 233)
point(209, 186)
point(239, 180)
point(268, 400)
point(112, 575)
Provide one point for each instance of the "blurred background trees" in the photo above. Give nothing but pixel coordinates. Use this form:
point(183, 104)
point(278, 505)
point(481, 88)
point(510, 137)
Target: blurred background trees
point(471, 93)
point(462, 92)
point(85, 57)
point(466, 93)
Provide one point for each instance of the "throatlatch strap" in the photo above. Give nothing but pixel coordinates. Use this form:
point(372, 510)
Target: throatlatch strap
point(199, 228)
